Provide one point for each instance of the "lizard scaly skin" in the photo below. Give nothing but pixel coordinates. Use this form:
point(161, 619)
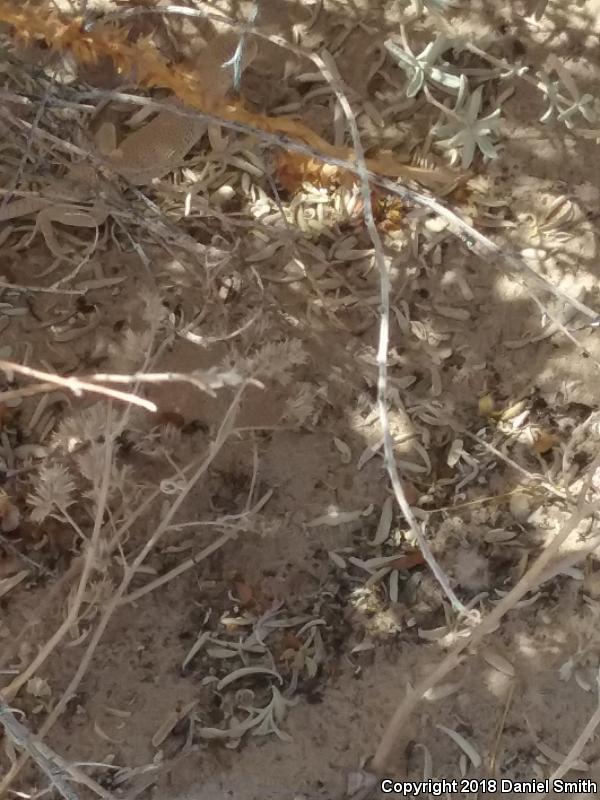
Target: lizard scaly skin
point(151, 152)
point(160, 146)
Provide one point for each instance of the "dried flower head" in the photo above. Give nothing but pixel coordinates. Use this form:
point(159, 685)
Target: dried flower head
point(84, 426)
point(53, 491)
point(272, 361)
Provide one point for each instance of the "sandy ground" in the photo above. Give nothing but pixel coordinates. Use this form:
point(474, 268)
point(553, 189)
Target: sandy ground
point(522, 699)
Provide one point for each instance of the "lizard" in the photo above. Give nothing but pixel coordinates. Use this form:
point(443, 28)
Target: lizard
point(148, 153)
point(160, 146)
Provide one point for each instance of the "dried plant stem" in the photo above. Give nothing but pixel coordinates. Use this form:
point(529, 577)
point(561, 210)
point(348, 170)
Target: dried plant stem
point(144, 506)
point(89, 562)
point(538, 480)
point(53, 765)
point(17, 287)
point(576, 750)
point(153, 70)
point(500, 729)
point(179, 569)
point(206, 382)
point(528, 583)
point(16, 178)
point(88, 384)
point(327, 66)
point(73, 384)
point(223, 434)
point(193, 560)
point(46, 760)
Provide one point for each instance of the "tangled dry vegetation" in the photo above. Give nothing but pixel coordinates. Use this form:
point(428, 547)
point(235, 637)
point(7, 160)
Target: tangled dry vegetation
point(306, 425)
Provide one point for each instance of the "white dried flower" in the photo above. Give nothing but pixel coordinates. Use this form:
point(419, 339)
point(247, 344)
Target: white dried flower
point(53, 492)
point(91, 464)
point(84, 426)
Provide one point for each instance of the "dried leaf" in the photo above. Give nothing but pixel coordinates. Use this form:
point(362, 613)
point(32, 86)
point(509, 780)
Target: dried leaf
point(394, 584)
point(343, 449)
point(514, 410)
point(171, 721)
point(554, 755)
point(498, 662)
point(102, 735)
point(486, 406)
point(499, 535)
point(38, 687)
point(363, 647)
point(544, 442)
point(464, 745)
point(243, 672)
point(427, 761)
point(408, 561)
point(441, 691)
point(334, 517)
point(337, 559)
point(455, 452)
point(368, 453)
point(244, 594)
point(385, 522)
point(7, 584)
point(196, 647)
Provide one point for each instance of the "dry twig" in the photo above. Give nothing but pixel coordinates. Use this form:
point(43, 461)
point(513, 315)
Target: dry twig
point(489, 623)
point(54, 382)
